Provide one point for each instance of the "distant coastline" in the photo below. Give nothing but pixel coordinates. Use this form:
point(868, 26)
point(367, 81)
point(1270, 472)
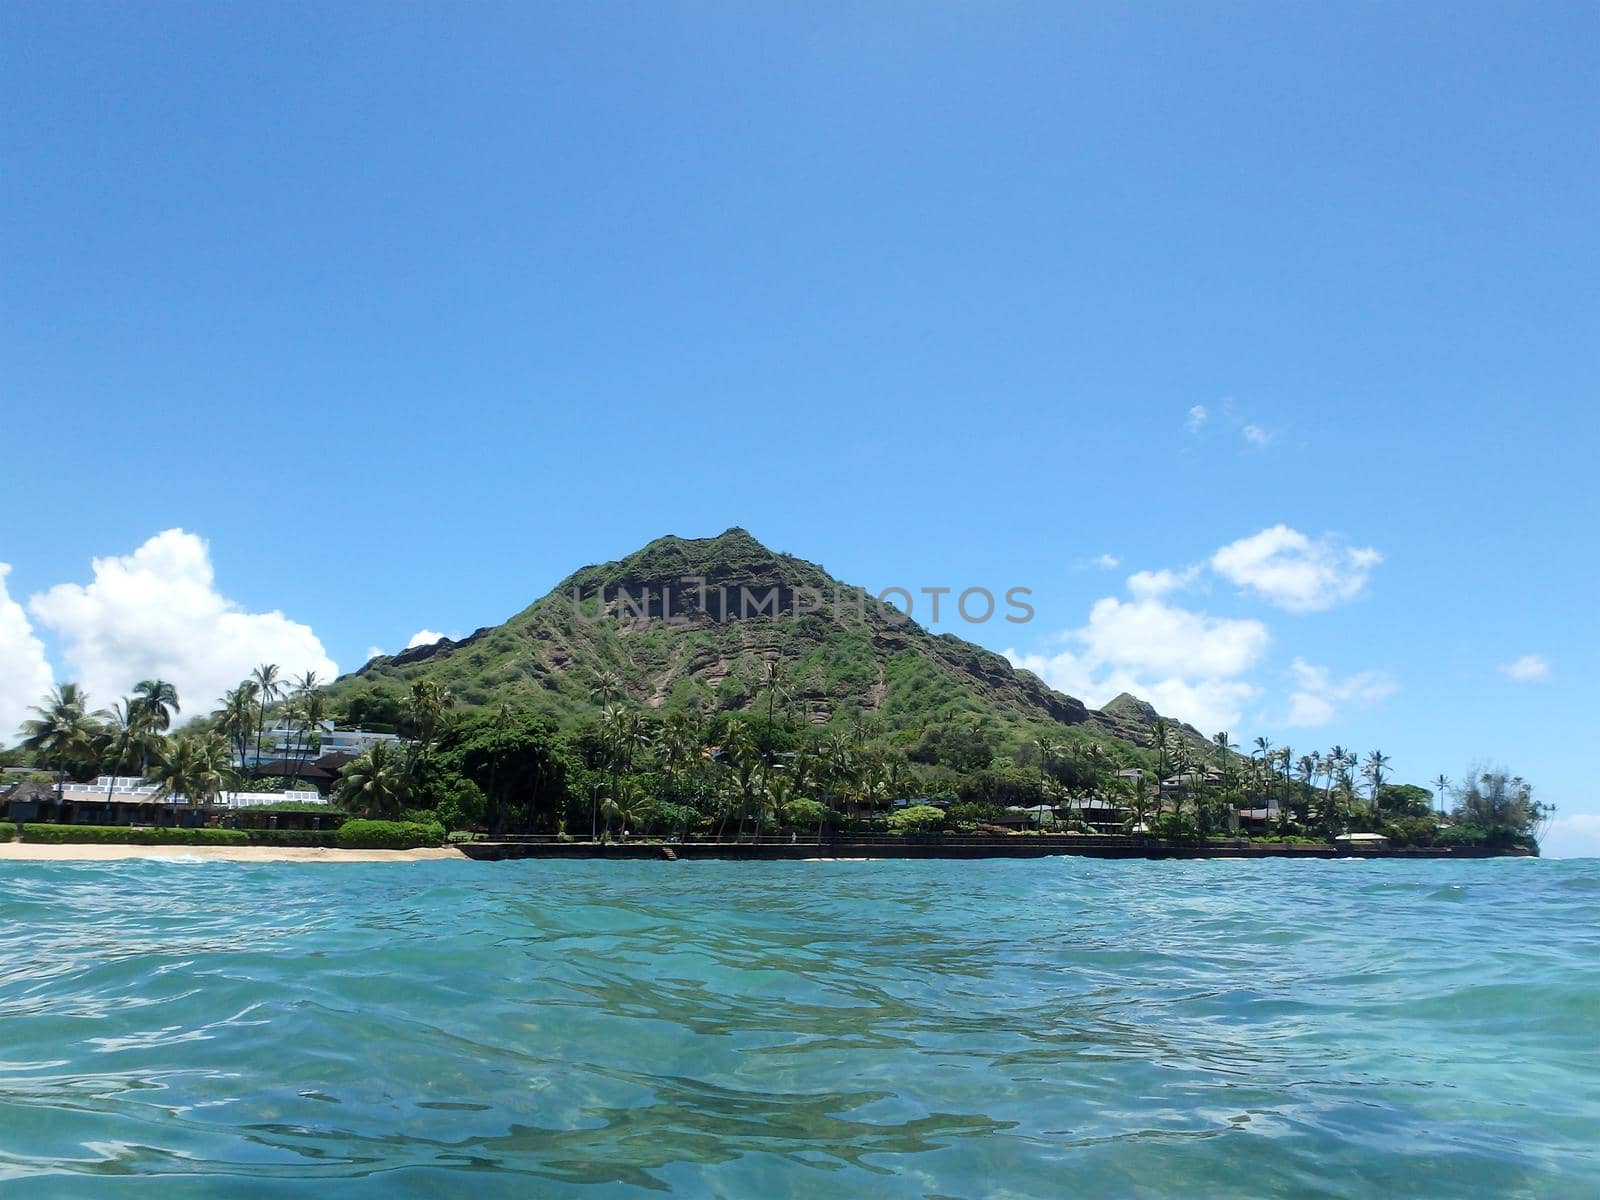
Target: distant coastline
point(118, 851)
point(634, 851)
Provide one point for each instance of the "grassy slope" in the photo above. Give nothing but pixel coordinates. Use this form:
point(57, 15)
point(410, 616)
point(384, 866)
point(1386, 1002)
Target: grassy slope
point(892, 672)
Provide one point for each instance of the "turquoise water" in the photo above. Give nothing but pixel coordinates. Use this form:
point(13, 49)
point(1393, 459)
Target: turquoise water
point(1047, 1028)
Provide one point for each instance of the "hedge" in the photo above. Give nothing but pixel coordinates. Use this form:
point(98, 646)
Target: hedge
point(292, 837)
point(127, 835)
point(8, 831)
point(388, 835)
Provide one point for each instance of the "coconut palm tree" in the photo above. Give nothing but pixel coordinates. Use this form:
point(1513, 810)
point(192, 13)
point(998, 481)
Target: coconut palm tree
point(61, 735)
point(1048, 748)
point(605, 687)
point(1225, 748)
point(430, 701)
point(1158, 739)
point(236, 718)
point(192, 766)
point(375, 784)
point(155, 702)
point(744, 760)
point(268, 688)
point(310, 713)
point(1441, 787)
point(121, 732)
point(1376, 770)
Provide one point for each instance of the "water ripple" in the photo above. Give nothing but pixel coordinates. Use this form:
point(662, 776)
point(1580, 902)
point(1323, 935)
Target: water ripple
point(894, 1029)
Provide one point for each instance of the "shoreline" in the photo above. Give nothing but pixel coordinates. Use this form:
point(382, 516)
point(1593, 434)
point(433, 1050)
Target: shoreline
point(842, 851)
point(119, 851)
point(884, 848)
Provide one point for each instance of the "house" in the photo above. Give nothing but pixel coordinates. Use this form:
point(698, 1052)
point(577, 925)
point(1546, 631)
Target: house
point(128, 800)
point(1259, 817)
point(289, 742)
point(1361, 841)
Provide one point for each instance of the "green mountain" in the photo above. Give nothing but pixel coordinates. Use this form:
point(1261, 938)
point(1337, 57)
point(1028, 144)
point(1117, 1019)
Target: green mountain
point(705, 644)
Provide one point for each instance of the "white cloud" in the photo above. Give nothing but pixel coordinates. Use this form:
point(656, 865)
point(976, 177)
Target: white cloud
point(156, 613)
point(1528, 669)
point(1574, 835)
point(1150, 635)
point(1197, 418)
point(1288, 569)
point(424, 637)
point(1153, 584)
point(1106, 562)
point(1317, 695)
point(375, 652)
point(24, 674)
point(1185, 663)
point(1257, 437)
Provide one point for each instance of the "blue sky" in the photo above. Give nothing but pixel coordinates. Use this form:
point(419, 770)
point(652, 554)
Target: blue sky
point(406, 311)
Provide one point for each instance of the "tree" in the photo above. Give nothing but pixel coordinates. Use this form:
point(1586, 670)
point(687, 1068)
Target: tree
point(1441, 789)
point(192, 766)
point(1501, 805)
point(156, 703)
point(126, 737)
point(1158, 735)
point(1047, 749)
point(236, 718)
point(375, 784)
point(1376, 770)
point(268, 688)
point(516, 760)
point(61, 735)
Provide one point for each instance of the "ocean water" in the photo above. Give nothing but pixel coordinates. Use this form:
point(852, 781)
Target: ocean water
point(1047, 1028)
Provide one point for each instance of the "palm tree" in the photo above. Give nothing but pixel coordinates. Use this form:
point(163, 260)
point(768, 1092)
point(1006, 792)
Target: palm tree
point(156, 702)
point(125, 732)
point(62, 735)
point(1220, 740)
point(375, 783)
point(311, 710)
point(743, 757)
point(1158, 735)
point(236, 717)
point(605, 688)
point(1047, 749)
point(1332, 764)
point(1285, 762)
point(1441, 786)
point(268, 688)
point(1376, 771)
point(122, 730)
point(430, 701)
point(192, 766)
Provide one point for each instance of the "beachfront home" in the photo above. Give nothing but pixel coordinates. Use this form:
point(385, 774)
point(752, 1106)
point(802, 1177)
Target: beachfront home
point(128, 800)
point(288, 741)
point(1362, 841)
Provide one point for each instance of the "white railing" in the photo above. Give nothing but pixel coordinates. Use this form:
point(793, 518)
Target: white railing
point(131, 790)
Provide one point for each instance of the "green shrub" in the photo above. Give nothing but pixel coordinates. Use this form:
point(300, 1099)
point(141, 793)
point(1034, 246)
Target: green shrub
point(293, 837)
point(8, 831)
point(1412, 831)
point(969, 815)
point(262, 816)
point(388, 835)
point(916, 818)
point(1463, 835)
point(127, 835)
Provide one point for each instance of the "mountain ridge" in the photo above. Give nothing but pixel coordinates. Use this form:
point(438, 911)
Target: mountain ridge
point(692, 622)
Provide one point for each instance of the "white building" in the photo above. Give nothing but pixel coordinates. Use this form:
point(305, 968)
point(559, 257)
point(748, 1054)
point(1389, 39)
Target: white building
point(286, 740)
point(126, 789)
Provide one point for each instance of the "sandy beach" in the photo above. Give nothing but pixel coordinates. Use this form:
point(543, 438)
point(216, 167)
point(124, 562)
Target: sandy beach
point(97, 852)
